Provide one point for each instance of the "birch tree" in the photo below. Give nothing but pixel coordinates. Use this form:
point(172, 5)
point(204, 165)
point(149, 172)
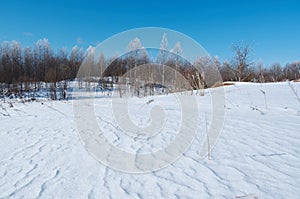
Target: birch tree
point(162, 58)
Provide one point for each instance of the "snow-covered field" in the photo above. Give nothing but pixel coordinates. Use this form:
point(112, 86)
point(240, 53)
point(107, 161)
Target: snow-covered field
point(256, 156)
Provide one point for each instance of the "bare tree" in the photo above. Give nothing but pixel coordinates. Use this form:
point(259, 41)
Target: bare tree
point(42, 55)
point(292, 70)
point(241, 61)
point(135, 54)
point(162, 57)
point(177, 50)
point(133, 51)
point(76, 58)
point(276, 72)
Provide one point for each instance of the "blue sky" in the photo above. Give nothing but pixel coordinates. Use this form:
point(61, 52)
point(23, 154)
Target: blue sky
point(271, 27)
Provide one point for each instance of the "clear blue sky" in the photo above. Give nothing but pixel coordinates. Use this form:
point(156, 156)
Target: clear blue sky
point(271, 27)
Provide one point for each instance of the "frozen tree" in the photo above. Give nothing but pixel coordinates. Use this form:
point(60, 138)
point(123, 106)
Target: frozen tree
point(16, 59)
point(101, 68)
point(135, 54)
point(292, 70)
point(88, 63)
point(6, 76)
point(101, 64)
point(260, 72)
point(137, 50)
point(17, 66)
point(134, 44)
point(143, 53)
point(226, 71)
point(162, 58)
point(42, 55)
point(164, 42)
point(216, 61)
point(85, 71)
point(28, 61)
point(276, 72)
point(133, 50)
point(241, 60)
point(76, 58)
point(177, 50)
point(11, 65)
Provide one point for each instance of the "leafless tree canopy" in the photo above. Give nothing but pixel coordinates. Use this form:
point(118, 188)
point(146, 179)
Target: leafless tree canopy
point(28, 70)
point(241, 61)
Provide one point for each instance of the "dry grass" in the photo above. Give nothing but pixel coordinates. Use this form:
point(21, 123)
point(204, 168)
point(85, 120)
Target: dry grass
point(219, 84)
point(296, 80)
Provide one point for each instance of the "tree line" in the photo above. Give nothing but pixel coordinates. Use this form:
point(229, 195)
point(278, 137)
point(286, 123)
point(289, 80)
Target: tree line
point(241, 68)
point(26, 70)
point(31, 69)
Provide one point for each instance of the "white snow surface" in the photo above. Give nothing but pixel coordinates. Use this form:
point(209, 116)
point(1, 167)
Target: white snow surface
point(256, 156)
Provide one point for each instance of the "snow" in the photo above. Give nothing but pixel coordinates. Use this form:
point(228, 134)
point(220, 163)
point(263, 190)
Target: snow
point(256, 156)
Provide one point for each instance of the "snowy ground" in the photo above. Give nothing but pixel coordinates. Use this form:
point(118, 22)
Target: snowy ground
point(257, 155)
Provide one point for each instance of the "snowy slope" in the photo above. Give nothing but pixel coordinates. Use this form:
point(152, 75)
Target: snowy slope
point(257, 155)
